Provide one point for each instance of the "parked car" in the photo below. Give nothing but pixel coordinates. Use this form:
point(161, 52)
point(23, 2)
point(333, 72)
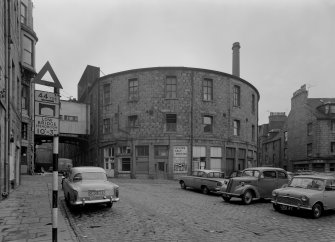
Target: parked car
point(205, 180)
point(254, 183)
point(89, 185)
point(314, 193)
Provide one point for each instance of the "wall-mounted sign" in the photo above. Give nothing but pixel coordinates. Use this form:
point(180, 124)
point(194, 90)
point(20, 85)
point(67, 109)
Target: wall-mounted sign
point(49, 97)
point(46, 126)
point(179, 151)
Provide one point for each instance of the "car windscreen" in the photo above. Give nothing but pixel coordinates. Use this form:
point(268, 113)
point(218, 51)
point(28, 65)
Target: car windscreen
point(307, 183)
point(87, 176)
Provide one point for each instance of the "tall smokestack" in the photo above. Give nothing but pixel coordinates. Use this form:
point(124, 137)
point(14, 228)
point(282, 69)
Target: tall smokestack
point(236, 59)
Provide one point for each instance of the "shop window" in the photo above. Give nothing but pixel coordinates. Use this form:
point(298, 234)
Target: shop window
point(125, 164)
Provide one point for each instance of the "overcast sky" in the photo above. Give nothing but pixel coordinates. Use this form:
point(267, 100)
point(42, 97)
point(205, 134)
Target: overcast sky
point(284, 43)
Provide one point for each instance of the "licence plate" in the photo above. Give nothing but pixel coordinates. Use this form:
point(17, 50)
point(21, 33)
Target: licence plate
point(97, 193)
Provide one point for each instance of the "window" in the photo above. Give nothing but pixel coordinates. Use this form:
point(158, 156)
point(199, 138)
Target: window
point(237, 96)
point(133, 89)
point(25, 97)
point(107, 123)
point(207, 89)
point(309, 129)
point(23, 13)
point(332, 125)
point(171, 122)
point(332, 147)
point(142, 150)
point(161, 151)
point(253, 103)
point(237, 127)
point(133, 121)
point(208, 124)
point(285, 136)
point(171, 87)
point(253, 133)
point(269, 174)
point(309, 149)
point(106, 94)
point(125, 164)
point(24, 131)
point(285, 153)
point(124, 150)
point(27, 57)
point(70, 118)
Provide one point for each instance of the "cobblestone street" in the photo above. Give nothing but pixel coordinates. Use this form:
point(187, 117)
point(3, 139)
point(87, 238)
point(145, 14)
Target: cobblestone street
point(159, 210)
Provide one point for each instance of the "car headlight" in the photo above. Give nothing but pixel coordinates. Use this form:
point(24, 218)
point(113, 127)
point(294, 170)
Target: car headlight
point(242, 184)
point(304, 198)
point(274, 194)
point(219, 184)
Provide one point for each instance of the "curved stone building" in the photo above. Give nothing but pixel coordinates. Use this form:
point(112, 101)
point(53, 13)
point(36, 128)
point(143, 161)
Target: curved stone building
point(163, 122)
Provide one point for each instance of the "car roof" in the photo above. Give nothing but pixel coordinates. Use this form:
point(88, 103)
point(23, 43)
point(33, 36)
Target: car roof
point(264, 168)
point(207, 171)
point(316, 176)
point(81, 169)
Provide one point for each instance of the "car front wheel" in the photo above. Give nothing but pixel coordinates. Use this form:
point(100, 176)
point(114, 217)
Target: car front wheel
point(226, 198)
point(182, 185)
point(276, 207)
point(317, 210)
point(205, 190)
point(247, 197)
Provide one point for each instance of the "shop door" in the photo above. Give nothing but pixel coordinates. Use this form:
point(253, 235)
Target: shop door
point(160, 170)
point(109, 167)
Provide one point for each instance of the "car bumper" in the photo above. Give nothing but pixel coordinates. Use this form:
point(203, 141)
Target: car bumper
point(228, 194)
point(291, 205)
point(105, 200)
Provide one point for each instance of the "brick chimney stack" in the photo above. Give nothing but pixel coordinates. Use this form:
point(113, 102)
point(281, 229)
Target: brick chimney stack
point(236, 59)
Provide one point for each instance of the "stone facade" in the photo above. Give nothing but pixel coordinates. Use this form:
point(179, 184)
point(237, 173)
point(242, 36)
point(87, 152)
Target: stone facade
point(311, 132)
point(273, 149)
point(138, 130)
point(17, 67)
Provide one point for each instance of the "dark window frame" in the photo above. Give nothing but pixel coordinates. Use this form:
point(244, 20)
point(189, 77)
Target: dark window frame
point(171, 87)
point(207, 89)
point(171, 122)
point(237, 127)
point(208, 127)
point(237, 96)
point(133, 89)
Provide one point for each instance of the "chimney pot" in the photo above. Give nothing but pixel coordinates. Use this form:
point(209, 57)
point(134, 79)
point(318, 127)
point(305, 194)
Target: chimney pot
point(236, 59)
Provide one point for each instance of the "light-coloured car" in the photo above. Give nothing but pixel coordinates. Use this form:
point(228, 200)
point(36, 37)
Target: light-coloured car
point(89, 185)
point(254, 183)
point(205, 180)
point(314, 193)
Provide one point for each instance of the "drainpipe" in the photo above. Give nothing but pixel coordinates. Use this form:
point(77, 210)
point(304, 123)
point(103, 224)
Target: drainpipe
point(192, 90)
point(7, 86)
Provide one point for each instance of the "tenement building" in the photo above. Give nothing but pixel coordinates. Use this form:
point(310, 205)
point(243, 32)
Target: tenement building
point(163, 122)
point(272, 140)
point(17, 67)
point(311, 132)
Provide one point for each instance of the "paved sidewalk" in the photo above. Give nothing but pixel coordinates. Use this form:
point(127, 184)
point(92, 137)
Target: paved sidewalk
point(26, 215)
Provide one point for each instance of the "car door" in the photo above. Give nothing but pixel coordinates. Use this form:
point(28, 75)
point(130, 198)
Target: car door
point(267, 183)
point(282, 179)
point(329, 196)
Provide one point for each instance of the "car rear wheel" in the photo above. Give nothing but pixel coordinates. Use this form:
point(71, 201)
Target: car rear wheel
point(182, 185)
point(247, 197)
point(226, 198)
point(317, 210)
point(205, 190)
